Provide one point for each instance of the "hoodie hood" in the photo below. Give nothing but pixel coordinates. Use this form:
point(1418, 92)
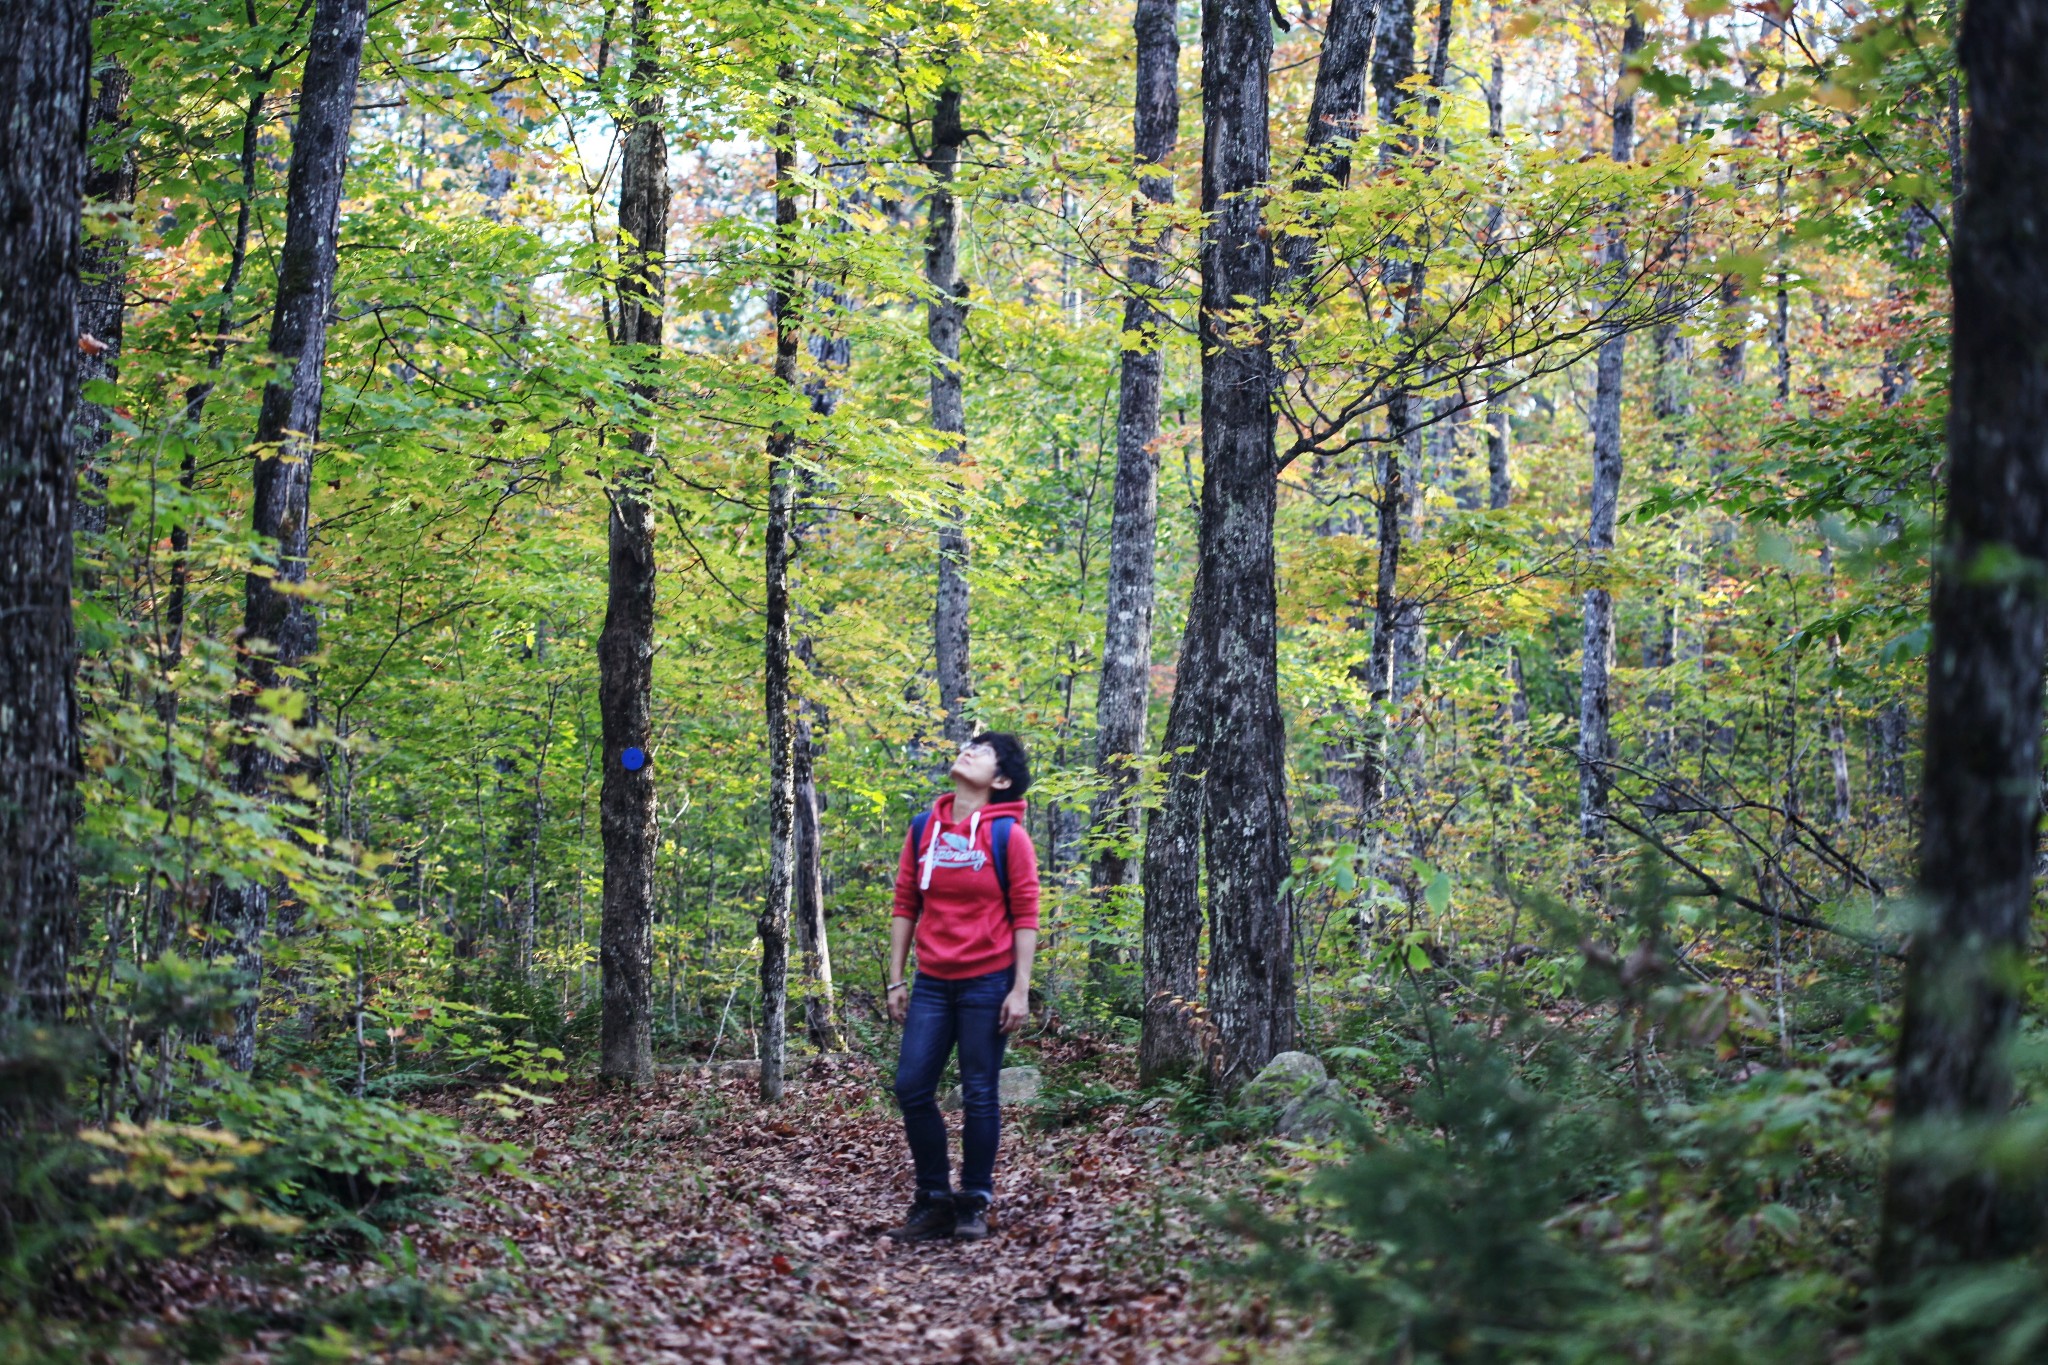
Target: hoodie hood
point(943, 809)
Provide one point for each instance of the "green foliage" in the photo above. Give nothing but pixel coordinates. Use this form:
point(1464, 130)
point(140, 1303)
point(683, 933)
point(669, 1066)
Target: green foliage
point(288, 1163)
point(349, 1168)
point(1607, 1119)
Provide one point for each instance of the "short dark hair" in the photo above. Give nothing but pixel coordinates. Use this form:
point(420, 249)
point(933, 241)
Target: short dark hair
point(1010, 761)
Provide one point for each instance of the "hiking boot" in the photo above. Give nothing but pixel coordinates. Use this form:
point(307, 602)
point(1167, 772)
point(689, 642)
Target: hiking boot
point(970, 1217)
point(931, 1219)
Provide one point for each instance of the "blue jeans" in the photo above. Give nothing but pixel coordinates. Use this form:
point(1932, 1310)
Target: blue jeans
point(942, 1013)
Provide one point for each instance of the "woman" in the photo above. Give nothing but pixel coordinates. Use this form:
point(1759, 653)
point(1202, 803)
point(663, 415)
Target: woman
point(967, 887)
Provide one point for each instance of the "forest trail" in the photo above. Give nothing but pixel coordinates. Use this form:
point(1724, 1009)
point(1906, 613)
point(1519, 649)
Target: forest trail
point(692, 1225)
point(686, 1223)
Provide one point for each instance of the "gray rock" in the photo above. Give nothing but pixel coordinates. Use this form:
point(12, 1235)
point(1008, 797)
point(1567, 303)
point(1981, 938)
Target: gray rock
point(1158, 1137)
point(1287, 1076)
point(1014, 1085)
point(1018, 1084)
point(1312, 1114)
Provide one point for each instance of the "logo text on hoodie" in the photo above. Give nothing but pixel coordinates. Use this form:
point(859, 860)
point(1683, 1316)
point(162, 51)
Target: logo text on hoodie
point(953, 850)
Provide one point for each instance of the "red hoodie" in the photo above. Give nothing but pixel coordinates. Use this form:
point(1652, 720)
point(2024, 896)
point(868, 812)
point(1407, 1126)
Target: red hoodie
point(949, 888)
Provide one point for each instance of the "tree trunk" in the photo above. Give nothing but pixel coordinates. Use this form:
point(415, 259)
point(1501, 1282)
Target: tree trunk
point(1895, 382)
point(1336, 111)
point(945, 317)
point(1393, 65)
point(1251, 962)
point(1983, 729)
point(279, 629)
point(625, 647)
point(1596, 661)
point(833, 352)
point(1122, 695)
point(1500, 476)
point(103, 281)
point(1895, 373)
point(807, 890)
point(43, 95)
point(1500, 444)
point(1841, 807)
point(1391, 519)
point(1173, 1039)
point(773, 926)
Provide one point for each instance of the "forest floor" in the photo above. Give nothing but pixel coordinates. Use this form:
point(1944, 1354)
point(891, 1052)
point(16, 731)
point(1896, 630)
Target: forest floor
point(687, 1223)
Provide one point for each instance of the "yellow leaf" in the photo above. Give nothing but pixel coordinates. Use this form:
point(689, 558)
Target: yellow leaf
point(1524, 26)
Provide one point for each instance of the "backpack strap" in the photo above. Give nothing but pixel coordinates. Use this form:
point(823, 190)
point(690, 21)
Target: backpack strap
point(999, 850)
point(918, 822)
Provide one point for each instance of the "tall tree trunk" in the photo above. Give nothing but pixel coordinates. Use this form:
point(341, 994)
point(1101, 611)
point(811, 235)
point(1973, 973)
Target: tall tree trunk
point(1983, 729)
point(1251, 963)
point(1500, 443)
point(1895, 373)
point(833, 352)
point(43, 94)
point(1597, 659)
point(807, 885)
point(1895, 382)
point(279, 629)
point(1500, 475)
point(1173, 1039)
point(1336, 112)
point(1122, 694)
point(773, 925)
point(103, 281)
point(1225, 778)
point(1842, 806)
point(625, 647)
point(945, 317)
point(1393, 65)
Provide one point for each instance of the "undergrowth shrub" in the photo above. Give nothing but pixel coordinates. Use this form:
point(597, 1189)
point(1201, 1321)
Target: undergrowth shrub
point(1641, 1190)
point(289, 1161)
point(349, 1168)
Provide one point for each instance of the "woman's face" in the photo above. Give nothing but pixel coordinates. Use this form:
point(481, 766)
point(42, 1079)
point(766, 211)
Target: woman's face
point(976, 766)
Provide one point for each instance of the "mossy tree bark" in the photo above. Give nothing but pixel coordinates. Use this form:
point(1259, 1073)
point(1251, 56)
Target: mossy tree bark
point(43, 85)
point(625, 647)
point(1984, 677)
point(280, 633)
point(1121, 699)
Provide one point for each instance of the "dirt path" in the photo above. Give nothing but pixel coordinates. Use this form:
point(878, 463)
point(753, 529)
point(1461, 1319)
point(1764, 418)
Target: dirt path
point(686, 1225)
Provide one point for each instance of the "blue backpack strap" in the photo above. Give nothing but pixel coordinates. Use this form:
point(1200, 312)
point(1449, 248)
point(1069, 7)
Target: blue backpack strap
point(917, 828)
point(999, 850)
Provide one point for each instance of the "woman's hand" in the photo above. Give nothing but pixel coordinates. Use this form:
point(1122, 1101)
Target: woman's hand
point(898, 1004)
point(1016, 1009)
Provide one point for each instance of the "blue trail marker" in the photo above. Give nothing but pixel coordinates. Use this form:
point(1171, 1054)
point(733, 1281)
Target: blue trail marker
point(634, 759)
